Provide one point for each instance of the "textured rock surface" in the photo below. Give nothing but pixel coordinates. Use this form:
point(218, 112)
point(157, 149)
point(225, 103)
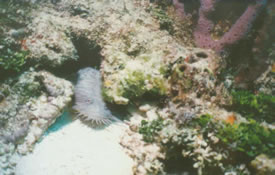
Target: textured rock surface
point(169, 135)
point(47, 108)
point(146, 156)
point(266, 82)
point(32, 103)
point(53, 46)
point(137, 59)
point(263, 165)
point(132, 46)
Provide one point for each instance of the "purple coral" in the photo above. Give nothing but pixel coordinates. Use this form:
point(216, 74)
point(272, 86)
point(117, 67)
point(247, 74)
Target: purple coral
point(203, 29)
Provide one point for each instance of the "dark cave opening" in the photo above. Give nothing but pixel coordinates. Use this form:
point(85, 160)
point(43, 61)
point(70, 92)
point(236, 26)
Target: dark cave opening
point(89, 53)
point(89, 56)
point(179, 165)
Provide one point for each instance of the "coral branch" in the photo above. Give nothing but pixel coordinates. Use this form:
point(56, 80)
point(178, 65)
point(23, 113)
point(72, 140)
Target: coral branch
point(242, 26)
point(204, 27)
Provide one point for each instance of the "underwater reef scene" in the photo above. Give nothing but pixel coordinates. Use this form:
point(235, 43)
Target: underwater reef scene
point(137, 87)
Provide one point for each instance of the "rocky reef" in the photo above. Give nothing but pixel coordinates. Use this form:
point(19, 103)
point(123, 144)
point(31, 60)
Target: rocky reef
point(30, 104)
point(186, 109)
point(201, 144)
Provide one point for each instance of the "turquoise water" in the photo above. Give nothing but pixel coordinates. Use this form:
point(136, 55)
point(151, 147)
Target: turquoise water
point(60, 122)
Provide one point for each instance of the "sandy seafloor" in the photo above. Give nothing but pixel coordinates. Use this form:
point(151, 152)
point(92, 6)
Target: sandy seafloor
point(72, 148)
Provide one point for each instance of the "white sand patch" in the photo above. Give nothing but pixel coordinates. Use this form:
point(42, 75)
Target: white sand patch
point(78, 150)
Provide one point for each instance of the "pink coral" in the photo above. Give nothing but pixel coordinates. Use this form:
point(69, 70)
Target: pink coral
point(203, 29)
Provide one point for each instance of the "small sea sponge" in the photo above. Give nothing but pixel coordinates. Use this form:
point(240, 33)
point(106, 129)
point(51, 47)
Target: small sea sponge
point(89, 103)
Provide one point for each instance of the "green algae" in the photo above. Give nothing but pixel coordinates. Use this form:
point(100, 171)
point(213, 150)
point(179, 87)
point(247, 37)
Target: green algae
point(134, 85)
point(244, 141)
point(258, 107)
point(165, 22)
point(250, 138)
point(12, 57)
point(150, 129)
